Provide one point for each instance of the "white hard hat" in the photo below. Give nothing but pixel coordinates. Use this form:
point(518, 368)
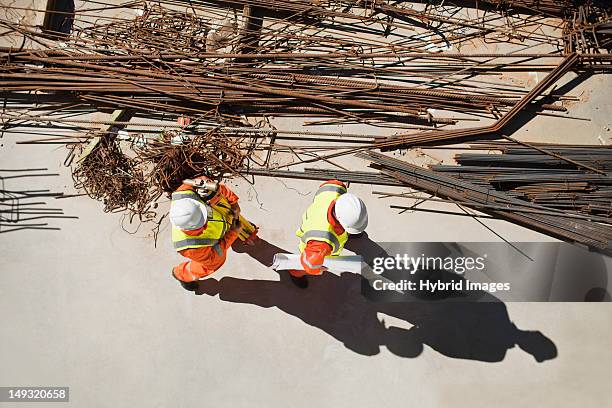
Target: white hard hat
point(187, 214)
point(351, 213)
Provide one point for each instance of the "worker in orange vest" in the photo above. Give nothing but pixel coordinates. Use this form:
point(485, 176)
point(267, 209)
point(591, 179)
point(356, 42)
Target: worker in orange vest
point(203, 229)
point(326, 224)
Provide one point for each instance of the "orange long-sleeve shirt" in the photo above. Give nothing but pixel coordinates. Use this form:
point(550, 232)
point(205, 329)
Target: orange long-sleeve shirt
point(206, 260)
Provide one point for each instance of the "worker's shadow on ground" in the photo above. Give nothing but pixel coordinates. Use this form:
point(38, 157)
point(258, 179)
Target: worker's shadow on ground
point(335, 304)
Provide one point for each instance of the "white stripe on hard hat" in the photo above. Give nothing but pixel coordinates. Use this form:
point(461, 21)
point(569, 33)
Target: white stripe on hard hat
point(352, 214)
point(187, 214)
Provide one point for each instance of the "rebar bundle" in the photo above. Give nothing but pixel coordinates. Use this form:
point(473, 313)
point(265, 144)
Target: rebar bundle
point(496, 203)
point(527, 174)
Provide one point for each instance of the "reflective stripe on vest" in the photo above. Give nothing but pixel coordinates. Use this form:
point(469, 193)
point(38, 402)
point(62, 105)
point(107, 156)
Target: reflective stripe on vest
point(195, 242)
point(179, 195)
point(315, 225)
point(218, 223)
point(332, 187)
point(326, 236)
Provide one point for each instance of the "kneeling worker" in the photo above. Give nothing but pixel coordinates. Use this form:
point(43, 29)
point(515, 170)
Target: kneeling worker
point(204, 227)
point(326, 225)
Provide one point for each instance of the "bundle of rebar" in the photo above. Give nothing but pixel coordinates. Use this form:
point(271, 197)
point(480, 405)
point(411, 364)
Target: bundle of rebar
point(527, 174)
point(550, 221)
point(322, 59)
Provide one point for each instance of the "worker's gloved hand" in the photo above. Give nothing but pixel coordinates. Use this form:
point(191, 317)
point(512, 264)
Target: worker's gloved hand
point(314, 255)
point(237, 226)
point(236, 211)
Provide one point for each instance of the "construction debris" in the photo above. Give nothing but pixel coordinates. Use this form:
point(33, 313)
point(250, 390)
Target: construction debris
point(109, 175)
point(542, 179)
point(488, 200)
point(194, 84)
point(172, 159)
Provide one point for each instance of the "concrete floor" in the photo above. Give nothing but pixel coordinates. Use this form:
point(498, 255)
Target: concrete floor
point(94, 308)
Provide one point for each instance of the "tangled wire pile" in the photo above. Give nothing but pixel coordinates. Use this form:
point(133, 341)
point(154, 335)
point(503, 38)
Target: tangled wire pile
point(157, 29)
point(134, 184)
point(173, 158)
point(110, 176)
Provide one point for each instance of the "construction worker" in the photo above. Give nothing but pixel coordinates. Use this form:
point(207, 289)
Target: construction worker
point(326, 225)
point(203, 229)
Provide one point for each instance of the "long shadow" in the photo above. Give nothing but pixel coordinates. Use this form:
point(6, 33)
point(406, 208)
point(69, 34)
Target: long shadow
point(335, 304)
point(26, 209)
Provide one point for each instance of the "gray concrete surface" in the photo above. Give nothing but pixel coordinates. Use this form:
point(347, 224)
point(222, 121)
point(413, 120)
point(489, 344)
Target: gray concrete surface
point(94, 308)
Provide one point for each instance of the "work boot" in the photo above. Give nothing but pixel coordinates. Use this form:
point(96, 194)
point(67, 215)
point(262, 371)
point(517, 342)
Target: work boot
point(190, 286)
point(300, 282)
